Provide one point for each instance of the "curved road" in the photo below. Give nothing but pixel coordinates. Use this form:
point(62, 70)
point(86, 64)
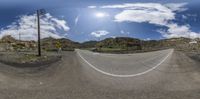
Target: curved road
point(124, 65)
point(164, 74)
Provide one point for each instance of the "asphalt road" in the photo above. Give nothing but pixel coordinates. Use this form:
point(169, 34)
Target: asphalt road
point(124, 64)
point(163, 74)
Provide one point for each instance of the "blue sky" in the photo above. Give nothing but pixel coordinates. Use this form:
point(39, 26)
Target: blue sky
point(83, 20)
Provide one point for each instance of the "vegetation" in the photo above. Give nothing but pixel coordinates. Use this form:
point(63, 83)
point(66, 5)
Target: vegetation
point(51, 44)
point(126, 45)
point(88, 44)
point(118, 44)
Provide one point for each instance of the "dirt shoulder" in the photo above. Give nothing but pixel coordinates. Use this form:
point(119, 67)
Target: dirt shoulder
point(195, 55)
point(28, 59)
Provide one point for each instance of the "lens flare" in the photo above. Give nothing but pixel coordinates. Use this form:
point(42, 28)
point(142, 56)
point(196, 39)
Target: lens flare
point(101, 14)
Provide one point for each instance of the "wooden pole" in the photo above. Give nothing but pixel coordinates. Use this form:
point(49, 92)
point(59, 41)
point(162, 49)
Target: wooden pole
point(38, 21)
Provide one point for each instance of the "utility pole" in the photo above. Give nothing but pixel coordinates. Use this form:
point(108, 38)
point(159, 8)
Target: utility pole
point(39, 13)
point(38, 23)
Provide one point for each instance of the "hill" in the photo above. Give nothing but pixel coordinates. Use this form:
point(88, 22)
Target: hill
point(123, 43)
point(88, 44)
point(118, 44)
point(53, 44)
point(181, 43)
point(8, 43)
point(127, 44)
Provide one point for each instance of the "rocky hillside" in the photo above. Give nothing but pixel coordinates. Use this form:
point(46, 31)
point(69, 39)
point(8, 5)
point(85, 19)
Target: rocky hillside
point(54, 44)
point(118, 43)
point(8, 39)
point(8, 43)
point(127, 43)
point(177, 43)
point(88, 44)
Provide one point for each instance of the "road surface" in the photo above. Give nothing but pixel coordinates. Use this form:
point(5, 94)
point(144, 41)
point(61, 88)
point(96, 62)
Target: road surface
point(165, 74)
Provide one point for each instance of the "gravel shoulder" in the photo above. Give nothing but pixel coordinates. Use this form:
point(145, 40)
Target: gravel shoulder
point(28, 59)
point(194, 55)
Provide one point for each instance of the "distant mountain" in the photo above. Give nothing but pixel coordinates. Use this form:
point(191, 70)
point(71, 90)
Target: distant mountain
point(119, 43)
point(88, 44)
point(52, 44)
point(8, 43)
point(8, 39)
point(177, 43)
point(127, 43)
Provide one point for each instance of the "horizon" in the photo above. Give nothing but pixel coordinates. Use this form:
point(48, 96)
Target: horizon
point(105, 39)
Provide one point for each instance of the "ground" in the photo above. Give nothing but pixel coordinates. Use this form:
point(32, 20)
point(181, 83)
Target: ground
point(177, 77)
point(28, 59)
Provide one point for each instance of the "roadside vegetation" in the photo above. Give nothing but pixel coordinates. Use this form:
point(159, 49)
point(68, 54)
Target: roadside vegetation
point(118, 44)
point(132, 45)
point(18, 51)
point(24, 53)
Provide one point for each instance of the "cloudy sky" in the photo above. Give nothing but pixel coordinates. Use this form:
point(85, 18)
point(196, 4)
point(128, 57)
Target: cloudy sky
point(83, 20)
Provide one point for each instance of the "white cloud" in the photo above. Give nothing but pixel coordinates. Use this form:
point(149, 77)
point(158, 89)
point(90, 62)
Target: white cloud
point(76, 20)
point(99, 33)
point(92, 7)
point(122, 32)
point(176, 6)
point(154, 13)
point(154, 17)
point(184, 17)
point(147, 39)
point(26, 26)
point(157, 14)
point(179, 31)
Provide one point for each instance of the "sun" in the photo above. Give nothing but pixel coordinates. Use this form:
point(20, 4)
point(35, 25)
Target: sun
point(101, 14)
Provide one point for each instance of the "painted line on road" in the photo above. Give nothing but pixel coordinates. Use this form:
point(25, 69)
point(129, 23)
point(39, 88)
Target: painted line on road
point(116, 75)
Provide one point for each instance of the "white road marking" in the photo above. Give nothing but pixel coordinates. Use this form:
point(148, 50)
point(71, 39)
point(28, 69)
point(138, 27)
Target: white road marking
point(116, 75)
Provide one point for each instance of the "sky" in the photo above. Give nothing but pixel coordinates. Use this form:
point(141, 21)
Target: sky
point(84, 20)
